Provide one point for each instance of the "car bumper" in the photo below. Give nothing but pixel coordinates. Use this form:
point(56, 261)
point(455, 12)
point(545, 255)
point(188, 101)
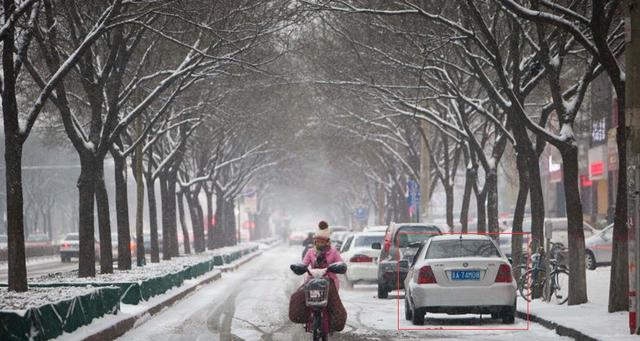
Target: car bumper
point(362, 272)
point(69, 253)
point(435, 296)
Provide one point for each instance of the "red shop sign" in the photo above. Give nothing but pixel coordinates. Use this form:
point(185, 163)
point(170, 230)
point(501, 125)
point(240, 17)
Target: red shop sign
point(597, 168)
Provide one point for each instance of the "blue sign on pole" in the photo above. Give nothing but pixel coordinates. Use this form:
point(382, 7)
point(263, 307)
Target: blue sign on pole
point(361, 213)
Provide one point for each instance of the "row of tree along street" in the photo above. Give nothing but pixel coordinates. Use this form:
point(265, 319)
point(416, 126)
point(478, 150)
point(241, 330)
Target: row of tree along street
point(157, 85)
point(200, 98)
point(466, 79)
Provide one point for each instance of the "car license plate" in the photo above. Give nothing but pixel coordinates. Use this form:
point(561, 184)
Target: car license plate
point(315, 294)
point(465, 275)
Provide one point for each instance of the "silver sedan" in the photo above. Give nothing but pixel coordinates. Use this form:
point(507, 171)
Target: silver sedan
point(460, 274)
point(599, 248)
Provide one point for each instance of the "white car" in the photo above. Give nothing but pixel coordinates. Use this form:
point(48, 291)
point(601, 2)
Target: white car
point(360, 257)
point(460, 274)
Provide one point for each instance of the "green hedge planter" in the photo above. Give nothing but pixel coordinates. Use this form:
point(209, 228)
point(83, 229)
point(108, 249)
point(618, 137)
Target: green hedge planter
point(51, 320)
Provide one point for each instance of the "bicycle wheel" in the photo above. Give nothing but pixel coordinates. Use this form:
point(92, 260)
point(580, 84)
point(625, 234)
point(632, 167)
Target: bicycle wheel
point(529, 283)
point(560, 282)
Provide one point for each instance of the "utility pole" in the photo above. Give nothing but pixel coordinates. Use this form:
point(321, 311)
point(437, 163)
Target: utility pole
point(632, 60)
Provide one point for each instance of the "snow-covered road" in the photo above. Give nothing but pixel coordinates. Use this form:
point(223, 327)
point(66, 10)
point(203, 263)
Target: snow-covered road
point(41, 267)
point(252, 304)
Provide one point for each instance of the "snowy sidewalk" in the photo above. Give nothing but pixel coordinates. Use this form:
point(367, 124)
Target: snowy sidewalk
point(585, 321)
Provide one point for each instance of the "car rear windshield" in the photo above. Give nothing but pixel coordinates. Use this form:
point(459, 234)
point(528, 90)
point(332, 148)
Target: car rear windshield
point(408, 235)
point(366, 241)
point(461, 248)
point(71, 237)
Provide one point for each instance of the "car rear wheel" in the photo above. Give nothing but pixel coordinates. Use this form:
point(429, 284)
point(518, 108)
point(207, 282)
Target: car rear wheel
point(589, 260)
point(382, 291)
point(417, 317)
point(408, 314)
point(509, 315)
point(348, 283)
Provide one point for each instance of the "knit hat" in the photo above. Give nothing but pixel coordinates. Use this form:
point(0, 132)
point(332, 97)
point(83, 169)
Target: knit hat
point(322, 231)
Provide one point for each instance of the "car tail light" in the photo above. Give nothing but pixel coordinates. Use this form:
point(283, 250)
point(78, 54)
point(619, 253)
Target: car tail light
point(65, 245)
point(504, 274)
point(426, 276)
point(361, 259)
point(132, 246)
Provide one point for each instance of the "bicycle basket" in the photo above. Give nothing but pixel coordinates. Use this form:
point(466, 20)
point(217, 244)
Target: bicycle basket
point(316, 292)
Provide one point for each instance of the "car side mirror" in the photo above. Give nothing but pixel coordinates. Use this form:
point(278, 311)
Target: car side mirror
point(338, 268)
point(376, 246)
point(510, 260)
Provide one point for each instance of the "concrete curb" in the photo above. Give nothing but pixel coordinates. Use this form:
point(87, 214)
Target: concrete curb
point(559, 329)
point(121, 327)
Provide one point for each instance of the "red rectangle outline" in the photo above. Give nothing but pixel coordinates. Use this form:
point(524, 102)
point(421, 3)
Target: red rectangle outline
point(459, 329)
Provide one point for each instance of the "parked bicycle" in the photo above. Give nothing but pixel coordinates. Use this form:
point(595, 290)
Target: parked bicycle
point(534, 278)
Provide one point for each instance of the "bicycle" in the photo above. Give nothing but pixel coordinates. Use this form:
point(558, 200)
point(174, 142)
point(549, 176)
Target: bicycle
point(534, 278)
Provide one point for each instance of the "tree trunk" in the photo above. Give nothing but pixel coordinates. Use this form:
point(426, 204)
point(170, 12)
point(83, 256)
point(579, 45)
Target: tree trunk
point(200, 216)
point(469, 180)
point(122, 213)
point(536, 198)
point(230, 221)
point(518, 214)
point(183, 223)
point(619, 283)
point(104, 222)
point(173, 217)
point(481, 200)
point(448, 190)
point(15, 218)
point(577, 283)
point(166, 233)
point(13, 161)
point(153, 219)
point(86, 199)
point(140, 250)
point(219, 233)
point(492, 203)
point(211, 235)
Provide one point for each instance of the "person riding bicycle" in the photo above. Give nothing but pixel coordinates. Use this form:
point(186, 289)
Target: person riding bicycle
point(321, 256)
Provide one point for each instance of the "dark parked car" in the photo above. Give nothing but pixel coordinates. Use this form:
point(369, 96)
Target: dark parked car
point(401, 242)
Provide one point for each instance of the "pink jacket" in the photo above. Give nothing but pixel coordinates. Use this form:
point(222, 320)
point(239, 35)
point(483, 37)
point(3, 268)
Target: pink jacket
point(331, 256)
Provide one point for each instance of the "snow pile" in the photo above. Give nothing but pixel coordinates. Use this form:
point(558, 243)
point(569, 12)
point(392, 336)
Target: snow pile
point(37, 297)
point(137, 274)
point(591, 318)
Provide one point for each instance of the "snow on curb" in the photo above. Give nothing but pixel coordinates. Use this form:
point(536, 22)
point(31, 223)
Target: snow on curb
point(578, 321)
